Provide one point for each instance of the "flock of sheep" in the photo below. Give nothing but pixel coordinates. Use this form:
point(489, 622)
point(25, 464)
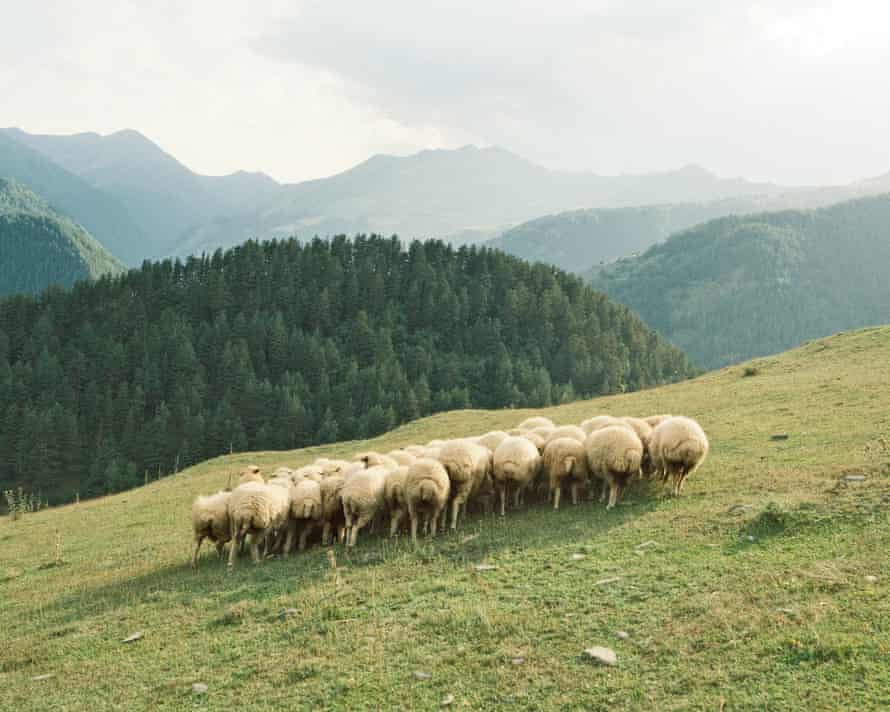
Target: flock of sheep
point(342, 497)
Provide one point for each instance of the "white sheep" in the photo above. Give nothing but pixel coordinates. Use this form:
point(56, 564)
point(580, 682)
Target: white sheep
point(565, 459)
point(260, 510)
point(362, 497)
point(536, 422)
point(539, 441)
point(416, 450)
point(644, 433)
point(210, 520)
point(655, 420)
point(251, 474)
point(305, 512)
point(517, 462)
point(614, 455)
point(427, 487)
point(375, 459)
point(492, 439)
point(331, 507)
point(402, 457)
point(678, 447)
point(601, 421)
point(466, 464)
point(566, 431)
point(394, 497)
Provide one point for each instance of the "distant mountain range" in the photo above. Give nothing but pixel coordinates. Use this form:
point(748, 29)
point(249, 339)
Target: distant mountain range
point(40, 247)
point(744, 286)
point(142, 203)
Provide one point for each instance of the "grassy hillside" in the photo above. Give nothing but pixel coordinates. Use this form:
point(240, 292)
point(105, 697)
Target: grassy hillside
point(740, 287)
point(40, 247)
point(750, 592)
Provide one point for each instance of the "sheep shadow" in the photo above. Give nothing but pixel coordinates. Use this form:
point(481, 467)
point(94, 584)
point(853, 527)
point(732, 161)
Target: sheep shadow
point(528, 531)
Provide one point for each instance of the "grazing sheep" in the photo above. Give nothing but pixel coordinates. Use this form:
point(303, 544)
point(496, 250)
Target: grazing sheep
point(466, 464)
point(331, 507)
point(394, 497)
point(416, 450)
point(259, 510)
point(427, 486)
point(492, 439)
point(334, 467)
point(678, 446)
point(565, 459)
point(614, 455)
point(601, 421)
point(362, 497)
point(539, 441)
point(375, 459)
point(515, 432)
point(251, 474)
point(566, 431)
point(655, 420)
point(305, 510)
point(402, 457)
point(308, 472)
point(644, 433)
point(536, 422)
point(210, 520)
point(436, 443)
point(516, 464)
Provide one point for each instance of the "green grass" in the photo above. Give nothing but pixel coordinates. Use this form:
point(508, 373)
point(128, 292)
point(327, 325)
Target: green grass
point(763, 607)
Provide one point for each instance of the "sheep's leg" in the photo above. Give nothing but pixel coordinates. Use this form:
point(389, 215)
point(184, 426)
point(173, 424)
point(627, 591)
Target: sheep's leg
point(455, 510)
point(198, 540)
point(396, 521)
point(502, 489)
point(574, 493)
point(325, 533)
point(363, 519)
point(604, 491)
point(613, 494)
point(557, 493)
point(255, 548)
point(517, 497)
point(220, 548)
point(433, 517)
point(289, 540)
point(412, 514)
point(304, 535)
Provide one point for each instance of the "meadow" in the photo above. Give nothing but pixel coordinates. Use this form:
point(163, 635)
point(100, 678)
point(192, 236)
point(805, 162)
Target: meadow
point(763, 587)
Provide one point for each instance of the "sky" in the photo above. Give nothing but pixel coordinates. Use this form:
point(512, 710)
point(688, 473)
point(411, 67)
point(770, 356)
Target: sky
point(787, 91)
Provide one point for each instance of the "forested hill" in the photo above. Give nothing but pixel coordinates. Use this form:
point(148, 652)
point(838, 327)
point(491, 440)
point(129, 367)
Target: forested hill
point(746, 286)
point(40, 247)
point(282, 344)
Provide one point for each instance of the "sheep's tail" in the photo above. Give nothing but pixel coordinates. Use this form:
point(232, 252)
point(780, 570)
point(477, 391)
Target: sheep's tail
point(689, 451)
point(632, 460)
point(568, 464)
point(427, 491)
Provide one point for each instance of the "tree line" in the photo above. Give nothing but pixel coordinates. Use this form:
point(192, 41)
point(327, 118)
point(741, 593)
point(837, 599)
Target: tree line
point(283, 344)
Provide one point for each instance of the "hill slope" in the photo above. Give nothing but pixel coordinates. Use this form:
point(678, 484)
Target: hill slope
point(39, 247)
point(103, 216)
point(743, 286)
point(749, 592)
point(282, 344)
point(582, 240)
point(159, 193)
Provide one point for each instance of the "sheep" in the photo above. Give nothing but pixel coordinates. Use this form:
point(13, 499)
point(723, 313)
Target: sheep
point(644, 432)
point(566, 431)
point(466, 464)
point(251, 474)
point(614, 455)
point(394, 497)
point(375, 459)
point(436, 443)
point(492, 439)
point(259, 510)
point(539, 441)
point(308, 472)
point(536, 422)
point(655, 420)
point(678, 447)
point(335, 467)
point(427, 488)
point(331, 507)
point(416, 450)
point(210, 520)
point(516, 463)
point(601, 421)
point(305, 508)
point(362, 497)
point(565, 459)
point(402, 457)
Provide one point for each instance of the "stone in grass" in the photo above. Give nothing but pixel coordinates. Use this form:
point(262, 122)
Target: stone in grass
point(854, 478)
point(421, 675)
point(871, 579)
point(133, 638)
point(622, 634)
point(447, 700)
point(518, 660)
point(47, 676)
point(199, 688)
point(577, 557)
point(603, 656)
point(485, 567)
point(779, 436)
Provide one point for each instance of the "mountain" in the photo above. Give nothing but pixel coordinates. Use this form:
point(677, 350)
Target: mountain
point(99, 213)
point(465, 193)
point(583, 240)
point(159, 193)
point(40, 247)
point(285, 344)
point(745, 286)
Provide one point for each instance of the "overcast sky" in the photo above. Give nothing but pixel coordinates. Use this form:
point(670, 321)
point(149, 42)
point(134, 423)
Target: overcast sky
point(789, 91)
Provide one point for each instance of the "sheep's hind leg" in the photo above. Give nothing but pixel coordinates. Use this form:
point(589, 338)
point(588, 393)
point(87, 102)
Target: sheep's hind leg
point(198, 540)
point(557, 493)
